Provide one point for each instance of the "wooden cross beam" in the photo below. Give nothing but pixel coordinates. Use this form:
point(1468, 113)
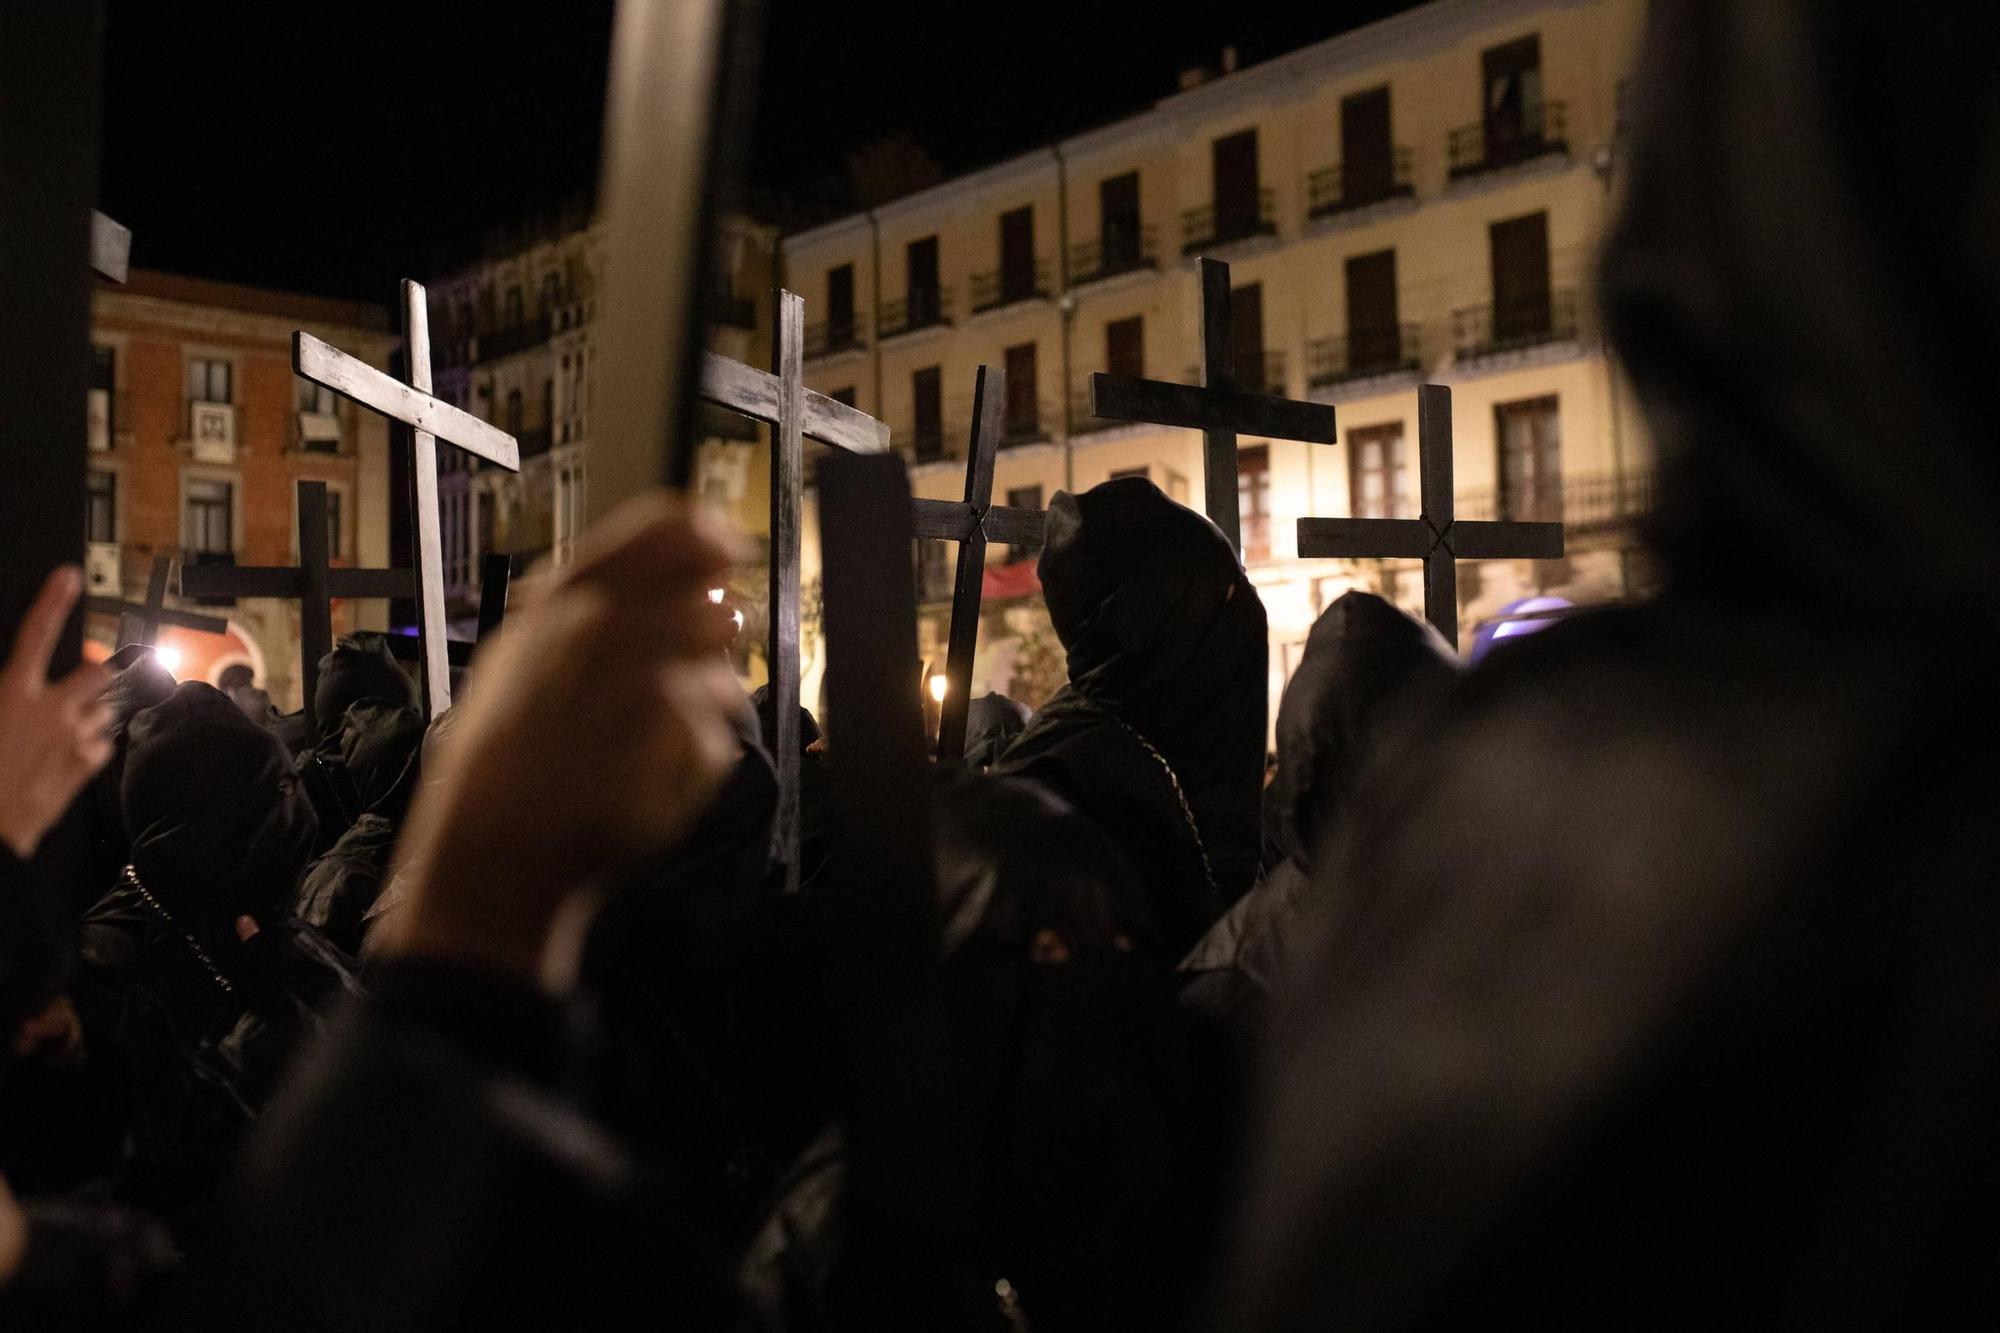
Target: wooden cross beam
point(110, 247)
point(793, 412)
point(313, 583)
point(139, 622)
point(1216, 408)
point(971, 523)
point(1436, 538)
point(429, 419)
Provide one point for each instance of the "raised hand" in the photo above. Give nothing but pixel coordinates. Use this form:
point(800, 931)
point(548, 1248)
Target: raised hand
point(52, 733)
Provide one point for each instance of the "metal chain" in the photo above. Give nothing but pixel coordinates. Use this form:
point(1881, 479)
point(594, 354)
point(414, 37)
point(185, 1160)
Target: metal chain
point(193, 944)
point(1173, 780)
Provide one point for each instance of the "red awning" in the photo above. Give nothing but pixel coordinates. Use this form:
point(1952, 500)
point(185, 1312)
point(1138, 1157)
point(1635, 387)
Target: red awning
point(1014, 580)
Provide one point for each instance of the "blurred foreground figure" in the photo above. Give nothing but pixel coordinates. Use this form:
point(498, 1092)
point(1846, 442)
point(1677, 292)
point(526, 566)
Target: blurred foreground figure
point(1669, 998)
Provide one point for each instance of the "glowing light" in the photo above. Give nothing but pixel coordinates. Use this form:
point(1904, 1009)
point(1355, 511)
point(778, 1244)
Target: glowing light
point(715, 596)
point(737, 616)
point(169, 660)
point(939, 685)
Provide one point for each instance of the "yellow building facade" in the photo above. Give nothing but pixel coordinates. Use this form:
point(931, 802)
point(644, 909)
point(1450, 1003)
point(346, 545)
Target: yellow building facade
point(1420, 200)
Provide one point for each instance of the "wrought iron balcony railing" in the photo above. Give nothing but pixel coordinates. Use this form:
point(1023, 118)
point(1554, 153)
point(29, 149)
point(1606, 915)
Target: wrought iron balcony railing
point(1030, 426)
point(923, 308)
point(1363, 352)
point(1487, 330)
point(1492, 144)
point(927, 446)
point(1595, 502)
point(512, 338)
point(1265, 373)
point(1339, 188)
point(827, 339)
point(997, 287)
point(1202, 228)
point(1118, 250)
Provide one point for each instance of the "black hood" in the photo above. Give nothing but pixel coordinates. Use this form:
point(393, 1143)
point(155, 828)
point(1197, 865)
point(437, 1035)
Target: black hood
point(380, 747)
point(218, 824)
point(141, 683)
point(767, 719)
point(359, 667)
point(1805, 284)
point(992, 721)
point(1366, 665)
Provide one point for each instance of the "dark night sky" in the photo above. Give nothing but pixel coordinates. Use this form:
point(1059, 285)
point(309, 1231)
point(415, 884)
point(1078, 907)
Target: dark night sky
point(334, 148)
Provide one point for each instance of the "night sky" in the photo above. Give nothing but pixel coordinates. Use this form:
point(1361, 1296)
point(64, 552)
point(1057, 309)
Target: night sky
point(332, 149)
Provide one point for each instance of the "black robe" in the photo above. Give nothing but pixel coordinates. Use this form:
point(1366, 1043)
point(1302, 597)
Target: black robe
point(379, 745)
point(1667, 996)
point(992, 721)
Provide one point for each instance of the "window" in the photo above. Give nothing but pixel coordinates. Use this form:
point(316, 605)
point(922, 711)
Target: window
point(1118, 231)
point(926, 396)
point(1253, 501)
point(934, 572)
point(1374, 339)
point(336, 524)
point(208, 516)
point(1513, 101)
point(1367, 155)
point(1520, 256)
point(1025, 497)
point(840, 307)
point(1017, 254)
point(513, 423)
point(1024, 416)
point(316, 399)
point(209, 380)
point(102, 398)
point(513, 308)
point(1246, 337)
point(101, 507)
point(926, 305)
point(551, 293)
point(845, 397)
point(1125, 346)
point(1530, 437)
point(1378, 472)
point(1236, 195)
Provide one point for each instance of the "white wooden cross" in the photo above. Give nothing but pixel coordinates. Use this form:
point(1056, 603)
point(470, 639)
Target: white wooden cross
point(429, 419)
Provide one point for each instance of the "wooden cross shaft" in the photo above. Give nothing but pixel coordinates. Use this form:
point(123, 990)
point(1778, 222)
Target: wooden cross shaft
point(139, 622)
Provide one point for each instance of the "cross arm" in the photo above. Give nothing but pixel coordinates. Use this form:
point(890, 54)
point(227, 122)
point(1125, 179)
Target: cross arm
point(1365, 538)
point(110, 247)
point(1123, 398)
point(287, 581)
point(754, 393)
point(354, 378)
point(1482, 540)
point(955, 521)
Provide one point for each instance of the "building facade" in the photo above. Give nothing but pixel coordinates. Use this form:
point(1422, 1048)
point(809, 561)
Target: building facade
point(199, 434)
point(1417, 201)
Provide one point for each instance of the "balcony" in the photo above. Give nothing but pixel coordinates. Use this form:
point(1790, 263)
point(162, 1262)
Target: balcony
point(1200, 229)
point(1595, 503)
point(1029, 427)
point(1483, 331)
point(1117, 251)
point(928, 446)
point(923, 308)
point(1492, 145)
point(829, 339)
point(1363, 354)
point(1266, 374)
point(512, 338)
point(1334, 190)
point(993, 289)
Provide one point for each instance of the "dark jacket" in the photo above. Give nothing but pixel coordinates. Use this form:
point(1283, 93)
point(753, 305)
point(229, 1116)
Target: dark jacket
point(1159, 735)
point(379, 747)
point(1665, 997)
point(992, 721)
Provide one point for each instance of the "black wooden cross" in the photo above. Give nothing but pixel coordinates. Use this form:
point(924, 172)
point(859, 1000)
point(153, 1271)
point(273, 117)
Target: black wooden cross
point(1436, 538)
point(429, 419)
point(139, 622)
point(1216, 408)
point(794, 413)
point(971, 523)
point(313, 583)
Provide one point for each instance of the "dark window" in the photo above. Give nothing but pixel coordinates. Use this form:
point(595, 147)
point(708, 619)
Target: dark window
point(103, 368)
point(336, 527)
point(101, 507)
point(210, 380)
point(934, 571)
point(1024, 497)
point(1253, 501)
point(551, 293)
point(922, 265)
point(1236, 211)
point(207, 524)
point(1373, 339)
point(1125, 346)
point(1017, 254)
point(1521, 310)
point(1246, 336)
point(1530, 436)
point(843, 396)
point(103, 398)
point(513, 422)
point(840, 306)
point(1024, 416)
point(1367, 155)
point(513, 307)
point(926, 396)
point(1118, 223)
point(484, 532)
point(1378, 464)
point(1513, 101)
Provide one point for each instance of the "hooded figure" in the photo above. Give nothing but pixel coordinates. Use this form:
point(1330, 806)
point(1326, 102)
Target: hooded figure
point(1368, 672)
point(815, 798)
point(141, 682)
point(992, 721)
point(379, 749)
point(1159, 735)
point(1668, 1002)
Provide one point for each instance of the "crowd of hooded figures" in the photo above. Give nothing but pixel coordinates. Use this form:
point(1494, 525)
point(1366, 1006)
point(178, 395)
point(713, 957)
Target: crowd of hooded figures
point(1642, 975)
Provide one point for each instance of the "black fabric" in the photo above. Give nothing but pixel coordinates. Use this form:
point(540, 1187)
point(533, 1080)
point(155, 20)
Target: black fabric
point(767, 718)
point(141, 683)
point(992, 721)
point(1166, 642)
point(344, 883)
point(91, 1265)
point(359, 667)
point(1667, 997)
point(378, 757)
